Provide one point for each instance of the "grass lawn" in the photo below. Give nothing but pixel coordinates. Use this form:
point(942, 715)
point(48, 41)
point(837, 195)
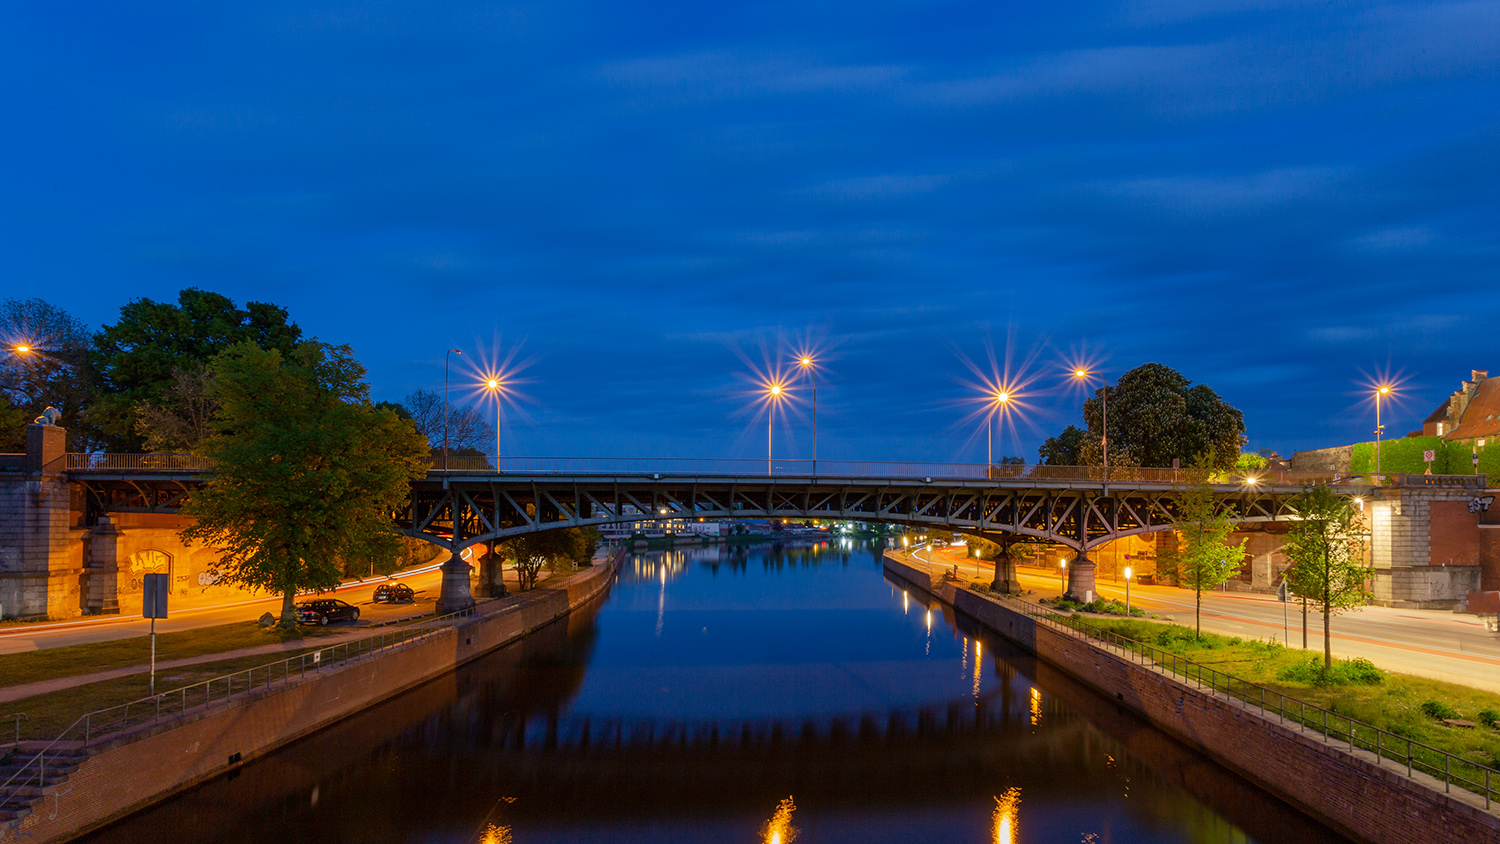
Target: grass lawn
point(49, 714)
point(1393, 702)
point(67, 661)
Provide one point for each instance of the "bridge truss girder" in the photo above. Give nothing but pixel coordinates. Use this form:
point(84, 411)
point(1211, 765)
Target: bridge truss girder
point(463, 511)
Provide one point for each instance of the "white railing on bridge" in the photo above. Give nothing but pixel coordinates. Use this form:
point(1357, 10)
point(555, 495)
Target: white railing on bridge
point(751, 467)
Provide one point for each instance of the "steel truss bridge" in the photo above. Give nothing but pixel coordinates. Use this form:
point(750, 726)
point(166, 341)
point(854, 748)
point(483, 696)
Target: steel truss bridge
point(467, 501)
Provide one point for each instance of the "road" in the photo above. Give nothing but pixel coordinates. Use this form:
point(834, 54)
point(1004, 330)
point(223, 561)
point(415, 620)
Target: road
point(425, 580)
point(1428, 643)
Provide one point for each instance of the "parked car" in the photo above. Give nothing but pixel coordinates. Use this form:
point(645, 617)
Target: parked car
point(325, 610)
point(394, 593)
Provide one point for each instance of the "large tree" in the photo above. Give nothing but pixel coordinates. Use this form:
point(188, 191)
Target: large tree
point(1065, 449)
point(1206, 559)
point(1155, 415)
point(1326, 547)
point(306, 470)
point(468, 432)
point(139, 358)
point(550, 548)
point(45, 363)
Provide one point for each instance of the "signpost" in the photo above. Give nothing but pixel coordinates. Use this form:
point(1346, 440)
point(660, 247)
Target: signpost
point(1286, 630)
point(1429, 455)
point(154, 606)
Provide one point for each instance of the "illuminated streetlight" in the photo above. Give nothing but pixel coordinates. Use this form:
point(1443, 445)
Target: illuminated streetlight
point(1127, 591)
point(496, 391)
point(999, 401)
point(807, 366)
point(774, 395)
point(1382, 390)
point(1083, 375)
point(23, 348)
point(1062, 575)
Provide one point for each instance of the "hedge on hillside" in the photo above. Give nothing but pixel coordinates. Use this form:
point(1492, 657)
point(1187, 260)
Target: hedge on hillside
point(1405, 455)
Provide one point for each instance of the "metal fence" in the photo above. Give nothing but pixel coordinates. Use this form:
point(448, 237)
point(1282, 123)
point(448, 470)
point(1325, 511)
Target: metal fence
point(218, 690)
point(734, 467)
point(1339, 731)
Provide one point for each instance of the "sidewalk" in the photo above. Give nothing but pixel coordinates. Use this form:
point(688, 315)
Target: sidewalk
point(1426, 643)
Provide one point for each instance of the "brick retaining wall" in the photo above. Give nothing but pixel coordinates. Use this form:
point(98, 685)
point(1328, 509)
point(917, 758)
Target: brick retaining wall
point(1358, 798)
point(148, 764)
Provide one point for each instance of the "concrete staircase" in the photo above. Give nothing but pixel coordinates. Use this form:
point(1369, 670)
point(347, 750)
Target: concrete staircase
point(32, 782)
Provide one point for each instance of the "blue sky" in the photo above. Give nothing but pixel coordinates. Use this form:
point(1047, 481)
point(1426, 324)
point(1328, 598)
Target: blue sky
point(1278, 199)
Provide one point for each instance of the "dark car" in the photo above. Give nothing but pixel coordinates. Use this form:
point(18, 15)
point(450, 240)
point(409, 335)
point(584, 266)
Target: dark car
point(394, 593)
point(324, 610)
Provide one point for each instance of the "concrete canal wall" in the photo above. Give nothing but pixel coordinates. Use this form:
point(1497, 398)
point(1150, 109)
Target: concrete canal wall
point(142, 766)
point(1356, 797)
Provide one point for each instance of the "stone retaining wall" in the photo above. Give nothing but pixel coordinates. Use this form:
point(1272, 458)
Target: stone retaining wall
point(145, 766)
point(1358, 798)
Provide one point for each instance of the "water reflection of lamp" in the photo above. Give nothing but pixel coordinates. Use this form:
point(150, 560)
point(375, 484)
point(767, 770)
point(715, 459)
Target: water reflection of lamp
point(1005, 816)
point(779, 829)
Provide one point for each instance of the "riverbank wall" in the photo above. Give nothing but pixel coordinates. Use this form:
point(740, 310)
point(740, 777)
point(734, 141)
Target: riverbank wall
point(127, 772)
point(1357, 797)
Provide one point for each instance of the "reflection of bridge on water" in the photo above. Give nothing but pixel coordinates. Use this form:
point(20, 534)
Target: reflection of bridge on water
point(984, 713)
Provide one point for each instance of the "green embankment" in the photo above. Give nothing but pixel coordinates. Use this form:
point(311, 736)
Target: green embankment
point(1405, 455)
point(1397, 703)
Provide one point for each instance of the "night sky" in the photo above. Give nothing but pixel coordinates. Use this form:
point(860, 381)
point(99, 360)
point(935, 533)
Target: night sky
point(641, 205)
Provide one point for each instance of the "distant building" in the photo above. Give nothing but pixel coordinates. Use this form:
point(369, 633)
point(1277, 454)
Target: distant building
point(1471, 413)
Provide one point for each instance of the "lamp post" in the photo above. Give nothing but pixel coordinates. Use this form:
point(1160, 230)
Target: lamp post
point(1062, 576)
point(1127, 591)
point(807, 365)
point(1104, 432)
point(1383, 389)
point(445, 404)
point(493, 385)
point(774, 396)
point(1000, 400)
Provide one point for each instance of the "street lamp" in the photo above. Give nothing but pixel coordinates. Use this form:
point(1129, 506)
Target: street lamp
point(1127, 591)
point(807, 365)
point(1083, 374)
point(1062, 575)
point(445, 404)
point(1000, 400)
point(774, 394)
point(1382, 390)
point(493, 385)
point(23, 348)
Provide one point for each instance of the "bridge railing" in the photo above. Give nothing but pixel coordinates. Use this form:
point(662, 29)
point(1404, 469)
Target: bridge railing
point(111, 721)
point(736, 467)
point(1339, 731)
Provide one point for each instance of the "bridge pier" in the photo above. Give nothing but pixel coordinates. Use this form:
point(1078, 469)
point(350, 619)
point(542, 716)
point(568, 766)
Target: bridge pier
point(455, 596)
point(1005, 580)
point(1081, 585)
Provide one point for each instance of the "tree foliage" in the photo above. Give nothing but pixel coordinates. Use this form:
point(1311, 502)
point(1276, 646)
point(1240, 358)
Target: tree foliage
point(1155, 415)
point(1326, 547)
point(306, 470)
point(552, 549)
point(468, 432)
point(1205, 558)
point(54, 372)
point(181, 419)
point(1065, 449)
point(138, 357)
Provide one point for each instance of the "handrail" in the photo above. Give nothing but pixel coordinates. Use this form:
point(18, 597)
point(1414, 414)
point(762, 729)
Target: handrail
point(112, 719)
point(19, 716)
point(832, 469)
point(1357, 734)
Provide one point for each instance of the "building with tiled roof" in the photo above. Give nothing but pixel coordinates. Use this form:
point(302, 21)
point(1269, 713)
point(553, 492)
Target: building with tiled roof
point(1470, 414)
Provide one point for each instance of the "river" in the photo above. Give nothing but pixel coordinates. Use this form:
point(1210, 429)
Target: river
point(761, 694)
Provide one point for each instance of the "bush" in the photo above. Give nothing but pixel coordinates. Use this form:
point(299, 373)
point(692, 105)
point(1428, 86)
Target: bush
point(1357, 672)
point(1490, 718)
point(1438, 710)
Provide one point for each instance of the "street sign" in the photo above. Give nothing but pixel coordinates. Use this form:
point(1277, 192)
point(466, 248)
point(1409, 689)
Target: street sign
point(1281, 594)
point(155, 593)
point(1429, 455)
